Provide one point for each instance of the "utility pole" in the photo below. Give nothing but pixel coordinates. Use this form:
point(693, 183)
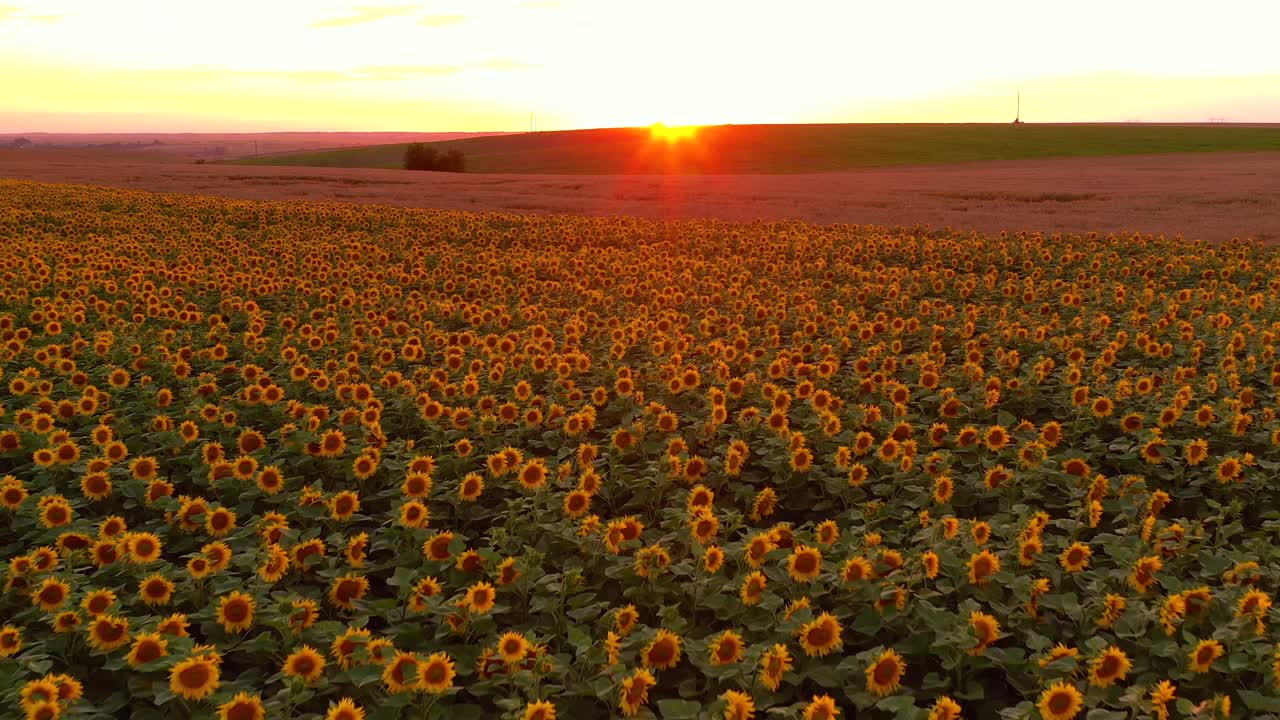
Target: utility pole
point(1017, 119)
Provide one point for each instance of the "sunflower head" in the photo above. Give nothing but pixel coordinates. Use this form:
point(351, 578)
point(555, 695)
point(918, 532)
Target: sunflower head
point(885, 673)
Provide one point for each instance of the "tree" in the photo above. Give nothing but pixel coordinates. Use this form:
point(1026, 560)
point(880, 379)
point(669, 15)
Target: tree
point(453, 161)
point(418, 156)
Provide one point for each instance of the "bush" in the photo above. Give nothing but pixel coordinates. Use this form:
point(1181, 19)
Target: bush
point(417, 156)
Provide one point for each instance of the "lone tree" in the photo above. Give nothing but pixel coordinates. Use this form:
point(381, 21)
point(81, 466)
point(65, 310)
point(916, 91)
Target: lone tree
point(417, 156)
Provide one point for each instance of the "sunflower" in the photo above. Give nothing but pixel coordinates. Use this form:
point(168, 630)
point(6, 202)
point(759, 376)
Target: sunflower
point(805, 563)
point(44, 710)
point(155, 590)
point(625, 619)
point(713, 559)
point(1161, 695)
point(403, 673)
point(10, 641)
point(1203, 657)
point(344, 709)
point(576, 503)
point(821, 707)
point(982, 566)
point(305, 664)
point(1113, 607)
point(757, 548)
point(884, 673)
point(943, 489)
point(857, 568)
point(753, 587)
point(726, 648)
point(1196, 451)
point(346, 645)
point(857, 474)
point(38, 691)
point(981, 532)
point(1058, 652)
point(539, 710)
point(1257, 605)
point(945, 709)
point(437, 673)
point(479, 598)
point(194, 678)
point(12, 496)
point(143, 468)
point(437, 547)
point(357, 549)
point(95, 485)
point(276, 564)
point(1227, 470)
point(270, 480)
point(108, 632)
point(507, 573)
point(380, 651)
point(346, 590)
point(471, 487)
point(663, 652)
point(1144, 572)
point(827, 533)
point(218, 554)
point(235, 611)
point(414, 514)
point(533, 475)
point(175, 625)
point(635, 692)
point(931, 564)
point(513, 647)
point(344, 505)
point(332, 443)
point(50, 594)
point(1109, 667)
point(242, 707)
point(821, 636)
point(66, 621)
point(69, 688)
point(738, 705)
point(1075, 558)
point(987, 630)
point(1060, 701)
point(142, 547)
point(147, 647)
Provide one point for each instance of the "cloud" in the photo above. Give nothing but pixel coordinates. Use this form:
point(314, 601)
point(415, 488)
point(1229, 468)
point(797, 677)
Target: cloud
point(363, 73)
point(13, 12)
point(441, 20)
point(405, 72)
point(364, 14)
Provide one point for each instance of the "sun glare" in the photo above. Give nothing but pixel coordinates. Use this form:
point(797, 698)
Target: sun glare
point(672, 133)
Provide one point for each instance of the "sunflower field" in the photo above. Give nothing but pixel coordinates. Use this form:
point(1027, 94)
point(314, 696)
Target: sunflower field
point(319, 460)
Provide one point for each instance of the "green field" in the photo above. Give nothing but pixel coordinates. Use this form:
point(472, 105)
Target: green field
point(768, 149)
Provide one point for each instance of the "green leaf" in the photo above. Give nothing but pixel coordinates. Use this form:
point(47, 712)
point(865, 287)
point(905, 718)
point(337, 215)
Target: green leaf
point(675, 709)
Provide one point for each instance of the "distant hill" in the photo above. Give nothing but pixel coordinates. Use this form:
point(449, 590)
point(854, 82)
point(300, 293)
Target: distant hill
point(222, 146)
point(770, 149)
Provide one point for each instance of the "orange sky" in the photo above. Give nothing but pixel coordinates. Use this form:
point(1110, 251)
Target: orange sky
point(253, 65)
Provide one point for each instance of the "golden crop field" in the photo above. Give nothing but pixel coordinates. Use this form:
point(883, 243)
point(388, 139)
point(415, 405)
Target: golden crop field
point(316, 460)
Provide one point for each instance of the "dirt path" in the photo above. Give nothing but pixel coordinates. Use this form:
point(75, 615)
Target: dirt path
point(1214, 196)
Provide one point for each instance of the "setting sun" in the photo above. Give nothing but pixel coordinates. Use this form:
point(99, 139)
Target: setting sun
point(673, 133)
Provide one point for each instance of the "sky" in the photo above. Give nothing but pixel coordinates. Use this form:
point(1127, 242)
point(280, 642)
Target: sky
point(486, 65)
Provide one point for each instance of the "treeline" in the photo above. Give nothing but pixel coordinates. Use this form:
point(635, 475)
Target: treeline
point(417, 156)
